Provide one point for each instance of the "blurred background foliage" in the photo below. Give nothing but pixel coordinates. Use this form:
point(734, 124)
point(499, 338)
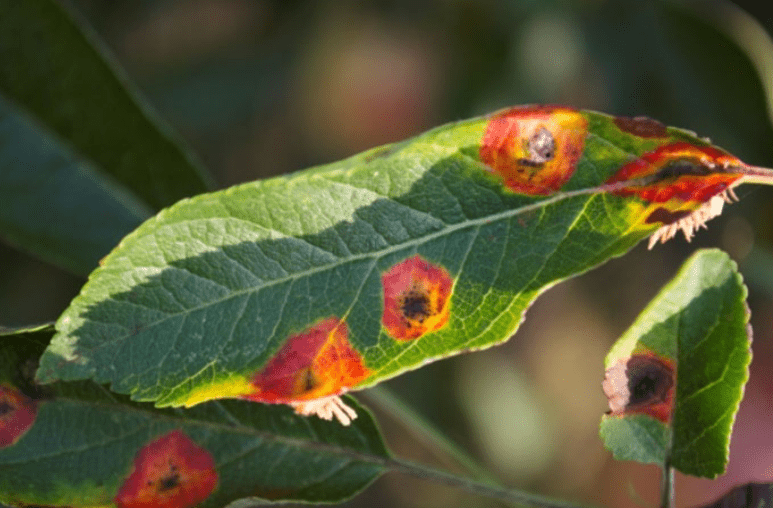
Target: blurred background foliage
point(263, 87)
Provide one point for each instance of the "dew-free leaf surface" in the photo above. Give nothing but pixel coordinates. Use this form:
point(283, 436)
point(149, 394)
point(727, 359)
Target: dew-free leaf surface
point(681, 369)
point(333, 279)
point(82, 159)
point(81, 445)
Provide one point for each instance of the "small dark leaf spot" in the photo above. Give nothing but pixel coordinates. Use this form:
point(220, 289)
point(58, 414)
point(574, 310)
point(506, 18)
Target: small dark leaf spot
point(641, 126)
point(416, 298)
point(6, 408)
point(416, 306)
point(169, 482)
point(649, 381)
point(308, 379)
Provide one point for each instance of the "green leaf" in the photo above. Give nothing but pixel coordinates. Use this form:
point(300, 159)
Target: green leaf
point(305, 286)
point(60, 75)
point(697, 326)
point(53, 203)
point(84, 444)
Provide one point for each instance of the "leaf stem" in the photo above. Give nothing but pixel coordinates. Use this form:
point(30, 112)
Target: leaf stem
point(667, 492)
point(475, 487)
point(426, 431)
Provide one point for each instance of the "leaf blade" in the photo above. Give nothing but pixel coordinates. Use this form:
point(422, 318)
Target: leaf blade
point(700, 322)
point(216, 286)
point(92, 107)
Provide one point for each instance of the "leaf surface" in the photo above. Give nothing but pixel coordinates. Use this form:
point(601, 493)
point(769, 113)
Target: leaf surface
point(53, 203)
point(305, 286)
point(676, 377)
point(60, 75)
point(83, 446)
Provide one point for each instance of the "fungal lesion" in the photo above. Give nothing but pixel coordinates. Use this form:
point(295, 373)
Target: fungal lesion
point(327, 408)
point(642, 383)
point(416, 305)
point(540, 147)
point(688, 222)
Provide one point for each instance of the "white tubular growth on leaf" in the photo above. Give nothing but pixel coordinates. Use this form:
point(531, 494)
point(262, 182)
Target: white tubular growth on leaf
point(696, 220)
point(326, 408)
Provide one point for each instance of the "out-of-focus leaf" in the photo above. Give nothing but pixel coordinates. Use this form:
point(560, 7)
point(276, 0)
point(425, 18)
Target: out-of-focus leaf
point(80, 446)
point(676, 377)
point(55, 204)
point(751, 495)
point(301, 287)
point(58, 73)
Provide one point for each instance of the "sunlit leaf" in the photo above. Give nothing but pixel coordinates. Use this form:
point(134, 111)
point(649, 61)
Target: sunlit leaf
point(299, 288)
point(676, 377)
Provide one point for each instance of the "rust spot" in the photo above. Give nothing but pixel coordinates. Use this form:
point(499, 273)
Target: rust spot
point(416, 298)
point(17, 414)
point(641, 126)
point(641, 384)
point(679, 171)
point(315, 363)
point(170, 472)
point(534, 149)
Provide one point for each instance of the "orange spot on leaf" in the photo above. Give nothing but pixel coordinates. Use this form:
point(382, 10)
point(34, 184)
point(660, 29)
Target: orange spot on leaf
point(170, 472)
point(317, 362)
point(416, 298)
point(641, 384)
point(17, 414)
point(534, 149)
point(679, 171)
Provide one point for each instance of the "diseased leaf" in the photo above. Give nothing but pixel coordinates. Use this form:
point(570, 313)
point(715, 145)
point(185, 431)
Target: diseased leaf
point(53, 203)
point(57, 73)
point(76, 444)
point(676, 377)
point(299, 288)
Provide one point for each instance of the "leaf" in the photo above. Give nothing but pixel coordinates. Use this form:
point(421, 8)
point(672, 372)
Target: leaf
point(676, 377)
point(59, 74)
point(751, 495)
point(84, 446)
point(302, 287)
point(53, 203)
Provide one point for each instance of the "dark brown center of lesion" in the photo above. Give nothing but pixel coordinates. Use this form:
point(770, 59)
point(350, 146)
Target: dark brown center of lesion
point(649, 381)
point(170, 481)
point(308, 381)
point(416, 306)
point(684, 167)
point(6, 408)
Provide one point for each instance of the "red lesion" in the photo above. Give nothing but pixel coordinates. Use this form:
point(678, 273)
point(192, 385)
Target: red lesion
point(416, 298)
point(534, 149)
point(17, 414)
point(315, 363)
point(170, 472)
point(643, 383)
point(680, 171)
